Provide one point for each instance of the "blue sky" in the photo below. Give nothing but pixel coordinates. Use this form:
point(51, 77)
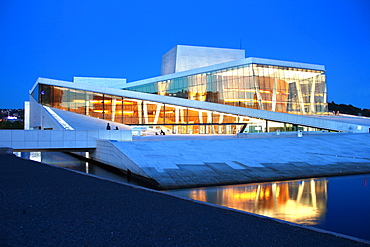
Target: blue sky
point(126, 39)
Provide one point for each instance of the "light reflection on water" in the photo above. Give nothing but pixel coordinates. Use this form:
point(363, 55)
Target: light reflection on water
point(302, 202)
point(338, 204)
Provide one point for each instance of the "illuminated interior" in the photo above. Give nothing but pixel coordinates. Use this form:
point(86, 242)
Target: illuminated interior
point(264, 87)
point(263, 84)
point(173, 118)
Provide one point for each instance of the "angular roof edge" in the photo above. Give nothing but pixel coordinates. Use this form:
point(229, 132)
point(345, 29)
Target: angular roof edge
point(255, 113)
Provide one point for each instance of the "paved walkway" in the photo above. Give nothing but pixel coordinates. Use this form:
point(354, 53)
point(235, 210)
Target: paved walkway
point(42, 205)
point(179, 161)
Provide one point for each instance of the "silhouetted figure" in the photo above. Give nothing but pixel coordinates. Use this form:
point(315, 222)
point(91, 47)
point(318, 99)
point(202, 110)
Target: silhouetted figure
point(108, 126)
point(116, 128)
point(162, 132)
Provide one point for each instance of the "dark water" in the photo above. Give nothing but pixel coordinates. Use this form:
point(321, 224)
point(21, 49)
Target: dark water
point(70, 162)
point(338, 204)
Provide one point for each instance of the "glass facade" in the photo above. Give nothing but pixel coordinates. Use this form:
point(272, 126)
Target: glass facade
point(172, 118)
point(251, 85)
point(257, 86)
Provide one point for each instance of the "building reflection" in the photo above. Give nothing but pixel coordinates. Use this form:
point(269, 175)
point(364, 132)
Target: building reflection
point(302, 202)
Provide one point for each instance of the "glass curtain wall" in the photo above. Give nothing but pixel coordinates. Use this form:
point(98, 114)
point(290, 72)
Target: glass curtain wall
point(172, 118)
point(264, 87)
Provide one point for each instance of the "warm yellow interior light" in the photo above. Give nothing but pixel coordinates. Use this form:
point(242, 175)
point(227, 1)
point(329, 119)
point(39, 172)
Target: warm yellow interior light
point(78, 101)
point(96, 101)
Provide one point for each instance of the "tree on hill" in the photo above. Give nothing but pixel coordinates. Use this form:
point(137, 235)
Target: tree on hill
point(348, 109)
point(11, 125)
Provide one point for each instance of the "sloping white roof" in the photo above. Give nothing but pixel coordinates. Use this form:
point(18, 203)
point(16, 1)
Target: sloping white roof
point(305, 120)
point(83, 122)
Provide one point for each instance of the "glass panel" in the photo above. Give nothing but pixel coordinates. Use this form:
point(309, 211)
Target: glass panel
point(45, 95)
point(58, 96)
point(132, 111)
point(77, 101)
point(35, 93)
point(95, 105)
point(170, 115)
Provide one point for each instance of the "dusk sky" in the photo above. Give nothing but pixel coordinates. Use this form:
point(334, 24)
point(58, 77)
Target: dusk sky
point(126, 39)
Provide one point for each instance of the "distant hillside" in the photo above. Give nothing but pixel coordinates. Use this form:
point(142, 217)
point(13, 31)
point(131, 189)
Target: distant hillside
point(349, 109)
point(11, 125)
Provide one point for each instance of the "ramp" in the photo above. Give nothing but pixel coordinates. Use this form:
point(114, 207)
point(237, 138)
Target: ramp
point(194, 163)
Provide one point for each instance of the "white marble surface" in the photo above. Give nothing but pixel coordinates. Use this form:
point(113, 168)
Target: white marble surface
point(65, 139)
point(250, 152)
point(194, 159)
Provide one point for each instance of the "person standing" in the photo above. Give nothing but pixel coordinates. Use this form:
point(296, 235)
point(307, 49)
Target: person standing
point(108, 126)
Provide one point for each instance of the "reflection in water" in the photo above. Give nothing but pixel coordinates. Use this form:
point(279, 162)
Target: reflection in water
point(338, 204)
point(342, 207)
point(67, 161)
point(302, 202)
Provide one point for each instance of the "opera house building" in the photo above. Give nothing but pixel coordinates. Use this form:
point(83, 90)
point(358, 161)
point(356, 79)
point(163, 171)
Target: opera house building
point(212, 117)
point(202, 90)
